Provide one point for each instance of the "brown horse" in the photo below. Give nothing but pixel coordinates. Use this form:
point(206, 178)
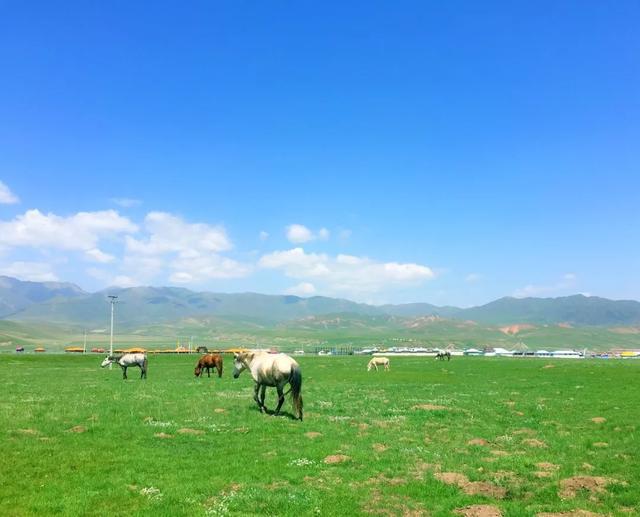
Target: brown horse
point(209, 361)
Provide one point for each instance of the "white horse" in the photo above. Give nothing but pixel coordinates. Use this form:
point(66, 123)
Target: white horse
point(378, 361)
point(273, 370)
point(126, 360)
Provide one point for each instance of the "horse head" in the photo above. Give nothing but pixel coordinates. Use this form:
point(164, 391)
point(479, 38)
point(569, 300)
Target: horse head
point(107, 361)
point(197, 371)
point(241, 361)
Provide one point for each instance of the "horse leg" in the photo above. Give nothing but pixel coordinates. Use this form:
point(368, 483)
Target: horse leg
point(219, 371)
point(263, 394)
point(280, 398)
point(208, 372)
point(256, 389)
point(124, 372)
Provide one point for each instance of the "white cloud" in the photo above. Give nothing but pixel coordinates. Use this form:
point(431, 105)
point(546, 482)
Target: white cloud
point(108, 278)
point(79, 232)
point(567, 282)
point(126, 202)
point(206, 267)
point(124, 281)
point(299, 234)
point(170, 234)
point(99, 256)
point(187, 252)
point(33, 271)
point(345, 274)
point(302, 289)
point(6, 196)
point(264, 235)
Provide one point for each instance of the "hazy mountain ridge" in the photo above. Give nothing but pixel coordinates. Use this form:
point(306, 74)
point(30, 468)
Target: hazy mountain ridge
point(575, 310)
point(17, 295)
point(64, 303)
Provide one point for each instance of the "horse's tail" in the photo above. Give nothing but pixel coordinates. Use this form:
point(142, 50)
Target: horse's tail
point(295, 380)
point(145, 363)
point(220, 367)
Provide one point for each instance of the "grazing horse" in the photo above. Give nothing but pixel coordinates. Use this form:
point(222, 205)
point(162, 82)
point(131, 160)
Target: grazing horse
point(444, 355)
point(207, 362)
point(378, 361)
point(126, 360)
point(273, 370)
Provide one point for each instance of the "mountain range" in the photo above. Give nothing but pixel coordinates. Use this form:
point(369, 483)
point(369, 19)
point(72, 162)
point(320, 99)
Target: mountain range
point(66, 303)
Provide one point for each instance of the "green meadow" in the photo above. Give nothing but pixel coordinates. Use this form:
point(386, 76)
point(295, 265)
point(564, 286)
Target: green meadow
point(519, 436)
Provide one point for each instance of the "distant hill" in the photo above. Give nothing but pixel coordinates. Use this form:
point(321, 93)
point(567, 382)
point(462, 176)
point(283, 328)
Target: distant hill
point(147, 305)
point(17, 295)
point(411, 310)
point(67, 304)
point(575, 310)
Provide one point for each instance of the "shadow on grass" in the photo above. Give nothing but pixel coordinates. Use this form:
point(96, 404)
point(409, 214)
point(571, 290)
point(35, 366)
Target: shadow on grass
point(272, 412)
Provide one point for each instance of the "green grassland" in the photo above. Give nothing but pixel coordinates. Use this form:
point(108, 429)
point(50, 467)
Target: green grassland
point(425, 438)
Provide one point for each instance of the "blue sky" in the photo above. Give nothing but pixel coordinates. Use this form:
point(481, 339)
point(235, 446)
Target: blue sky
point(388, 152)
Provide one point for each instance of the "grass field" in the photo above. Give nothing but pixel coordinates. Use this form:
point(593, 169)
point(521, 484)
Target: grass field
point(425, 438)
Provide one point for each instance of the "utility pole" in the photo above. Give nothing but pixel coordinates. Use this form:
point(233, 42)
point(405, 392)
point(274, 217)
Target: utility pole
point(84, 347)
point(112, 301)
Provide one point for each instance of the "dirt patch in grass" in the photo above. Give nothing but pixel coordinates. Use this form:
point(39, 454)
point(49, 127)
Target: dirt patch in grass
point(545, 465)
point(379, 447)
point(420, 468)
point(542, 474)
point(588, 466)
point(78, 429)
point(163, 435)
point(478, 441)
point(336, 458)
point(484, 488)
point(570, 487)
point(187, 430)
point(598, 420)
point(471, 487)
point(572, 513)
point(601, 445)
point(313, 435)
point(392, 506)
point(479, 510)
point(451, 478)
point(506, 474)
point(498, 452)
point(429, 407)
point(547, 366)
point(219, 410)
point(533, 442)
